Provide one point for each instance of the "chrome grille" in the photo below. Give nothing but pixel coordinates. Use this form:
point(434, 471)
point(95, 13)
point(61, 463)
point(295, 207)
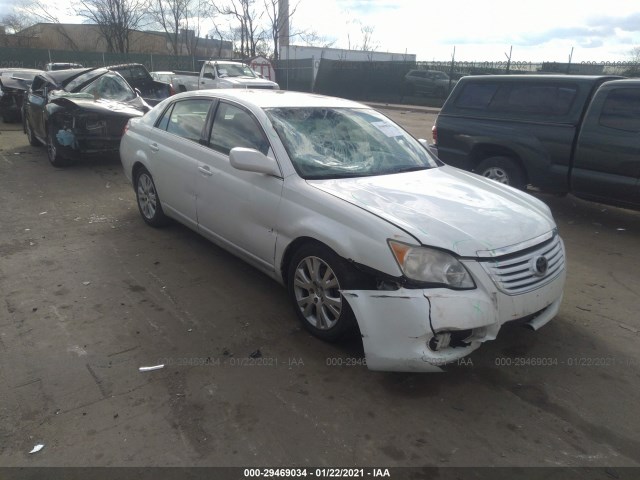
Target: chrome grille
point(517, 273)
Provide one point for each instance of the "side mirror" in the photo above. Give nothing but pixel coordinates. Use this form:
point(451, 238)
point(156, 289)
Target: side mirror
point(208, 75)
point(251, 160)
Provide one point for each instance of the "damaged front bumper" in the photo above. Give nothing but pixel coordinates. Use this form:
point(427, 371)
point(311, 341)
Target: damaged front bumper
point(398, 326)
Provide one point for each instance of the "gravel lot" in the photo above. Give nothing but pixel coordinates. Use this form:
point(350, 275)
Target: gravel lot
point(90, 293)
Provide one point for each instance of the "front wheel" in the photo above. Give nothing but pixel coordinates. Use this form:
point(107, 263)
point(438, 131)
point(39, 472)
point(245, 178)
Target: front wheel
point(53, 152)
point(316, 277)
point(503, 170)
point(148, 200)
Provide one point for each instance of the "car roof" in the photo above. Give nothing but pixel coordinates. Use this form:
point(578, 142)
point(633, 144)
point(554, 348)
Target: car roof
point(61, 76)
point(538, 78)
point(125, 65)
point(625, 82)
point(273, 98)
point(27, 70)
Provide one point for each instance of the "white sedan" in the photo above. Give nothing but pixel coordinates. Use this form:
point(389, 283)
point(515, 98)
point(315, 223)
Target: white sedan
point(363, 226)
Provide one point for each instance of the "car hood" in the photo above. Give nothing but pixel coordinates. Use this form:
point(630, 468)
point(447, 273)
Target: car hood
point(14, 84)
point(248, 82)
point(448, 208)
point(134, 108)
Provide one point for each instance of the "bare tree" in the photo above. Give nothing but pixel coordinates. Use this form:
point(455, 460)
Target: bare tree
point(367, 45)
point(312, 38)
point(14, 22)
point(634, 60)
point(222, 37)
point(248, 18)
point(180, 19)
point(115, 19)
point(37, 11)
point(278, 23)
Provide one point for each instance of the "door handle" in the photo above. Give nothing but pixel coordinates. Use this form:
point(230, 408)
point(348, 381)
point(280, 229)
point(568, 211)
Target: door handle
point(154, 147)
point(206, 171)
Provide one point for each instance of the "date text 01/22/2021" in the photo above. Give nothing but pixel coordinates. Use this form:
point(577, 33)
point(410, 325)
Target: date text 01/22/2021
point(317, 472)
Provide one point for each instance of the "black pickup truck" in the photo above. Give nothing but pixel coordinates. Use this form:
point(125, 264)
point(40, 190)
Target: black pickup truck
point(559, 133)
point(137, 75)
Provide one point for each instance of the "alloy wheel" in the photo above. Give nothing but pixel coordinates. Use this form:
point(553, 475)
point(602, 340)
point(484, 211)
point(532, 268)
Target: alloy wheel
point(147, 197)
point(317, 293)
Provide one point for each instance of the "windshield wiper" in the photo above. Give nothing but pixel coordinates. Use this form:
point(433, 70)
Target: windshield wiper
point(408, 168)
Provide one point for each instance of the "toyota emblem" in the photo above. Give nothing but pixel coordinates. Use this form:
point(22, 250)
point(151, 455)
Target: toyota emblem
point(540, 265)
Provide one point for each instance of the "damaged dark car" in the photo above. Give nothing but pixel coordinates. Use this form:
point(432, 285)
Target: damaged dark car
point(79, 112)
point(14, 83)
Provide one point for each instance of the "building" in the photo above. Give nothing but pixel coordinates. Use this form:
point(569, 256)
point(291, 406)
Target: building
point(89, 38)
point(316, 54)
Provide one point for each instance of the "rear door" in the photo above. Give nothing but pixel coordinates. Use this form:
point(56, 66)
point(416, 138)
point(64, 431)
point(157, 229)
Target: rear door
point(174, 149)
point(607, 159)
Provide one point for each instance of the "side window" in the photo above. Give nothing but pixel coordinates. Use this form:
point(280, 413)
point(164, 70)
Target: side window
point(535, 99)
point(208, 72)
point(37, 87)
point(476, 96)
point(621, 110)
point(186, 119)
point(163, 123)
point(235, 127)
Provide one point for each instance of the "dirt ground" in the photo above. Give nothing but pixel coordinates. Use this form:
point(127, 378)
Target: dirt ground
point(90, 294)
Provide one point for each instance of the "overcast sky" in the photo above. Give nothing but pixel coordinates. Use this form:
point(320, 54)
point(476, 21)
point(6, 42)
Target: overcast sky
point(480, 30)
point(483, 30)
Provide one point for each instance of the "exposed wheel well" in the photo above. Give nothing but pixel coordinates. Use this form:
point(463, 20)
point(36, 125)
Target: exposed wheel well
point(291, 250)
point(363, 279)
point(134, 172)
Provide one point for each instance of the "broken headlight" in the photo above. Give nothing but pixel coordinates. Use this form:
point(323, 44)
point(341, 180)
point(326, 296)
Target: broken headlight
point(431, 266)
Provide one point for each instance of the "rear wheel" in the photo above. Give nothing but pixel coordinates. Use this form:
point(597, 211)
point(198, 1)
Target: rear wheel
point(503, 170)
point(53, 150)
point(148, 200)
point(316, 277)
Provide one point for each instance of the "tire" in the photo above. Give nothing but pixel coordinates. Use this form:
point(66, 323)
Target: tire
point(33, 141)
point(504, 170)
point(53, 152)
point(315, 276)
point(148, 200)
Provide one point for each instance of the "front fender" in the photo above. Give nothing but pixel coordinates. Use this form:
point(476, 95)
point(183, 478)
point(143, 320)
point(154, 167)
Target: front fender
point(353, 233)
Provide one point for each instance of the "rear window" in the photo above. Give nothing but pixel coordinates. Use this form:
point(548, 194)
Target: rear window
point(621, 110)
point(518, 98)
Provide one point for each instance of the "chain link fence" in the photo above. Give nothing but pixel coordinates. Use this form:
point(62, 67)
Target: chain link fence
point(359, 80)
point(15, 57)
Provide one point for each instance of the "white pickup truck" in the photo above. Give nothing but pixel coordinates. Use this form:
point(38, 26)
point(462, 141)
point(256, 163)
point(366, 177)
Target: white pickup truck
point(226, 74)
point(181, 81)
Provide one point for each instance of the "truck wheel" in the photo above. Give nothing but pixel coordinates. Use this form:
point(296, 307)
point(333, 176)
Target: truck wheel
point(504, 170)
